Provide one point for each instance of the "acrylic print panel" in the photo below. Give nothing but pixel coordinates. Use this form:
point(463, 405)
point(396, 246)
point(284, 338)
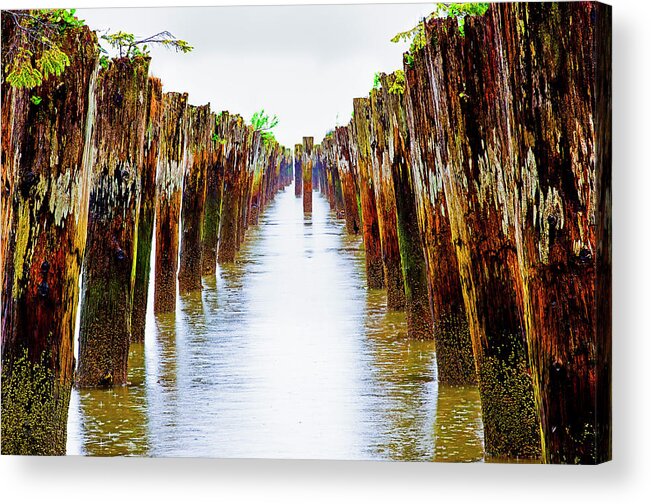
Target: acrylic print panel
point(348, 232)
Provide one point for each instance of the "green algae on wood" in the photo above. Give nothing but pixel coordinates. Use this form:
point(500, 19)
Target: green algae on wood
point(46, 221)
point(111, 246)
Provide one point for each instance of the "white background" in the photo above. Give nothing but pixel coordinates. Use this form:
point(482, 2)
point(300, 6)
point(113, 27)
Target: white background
point(626, 479)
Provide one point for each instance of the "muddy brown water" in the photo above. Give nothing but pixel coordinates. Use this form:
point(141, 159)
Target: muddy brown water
point(284, 354)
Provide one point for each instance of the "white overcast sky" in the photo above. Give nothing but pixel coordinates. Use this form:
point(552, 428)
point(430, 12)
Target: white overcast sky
point(303, 63)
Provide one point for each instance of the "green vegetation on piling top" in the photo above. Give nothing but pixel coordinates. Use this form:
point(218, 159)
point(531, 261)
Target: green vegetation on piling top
point(36, 53)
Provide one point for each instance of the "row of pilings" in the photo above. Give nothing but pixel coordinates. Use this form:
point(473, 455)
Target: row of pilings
point(103, 167)
point(479, 178)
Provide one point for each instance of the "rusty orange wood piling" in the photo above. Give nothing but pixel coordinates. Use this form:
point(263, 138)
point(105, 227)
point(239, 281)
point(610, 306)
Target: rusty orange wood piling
point(234, 131)
point(200, 128)
point(486, 249)
point(361, 131)
point(414, 270)
point(386, 203)
point(44, 225)
point(346, 169)
point(454, 355)
point(306, 168)
point(111, 246)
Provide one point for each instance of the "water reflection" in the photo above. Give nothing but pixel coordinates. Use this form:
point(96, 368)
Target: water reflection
point(284, 354)
point(458, 432)
point(114, 422)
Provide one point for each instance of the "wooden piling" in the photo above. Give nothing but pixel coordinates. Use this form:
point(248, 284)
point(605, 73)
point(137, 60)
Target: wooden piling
point(386, 203)
point(147, 209)
point(234, 131)
point(111, 246)
point(200, 129)
point(171, 167)
point(306, 167)
point(345, 168)
point(46, 221)
point(373, 249)
point(486, 250)
point(454, 354)
point(214, 189)
point(555, 168)
point(298, 170)
point(398, 139)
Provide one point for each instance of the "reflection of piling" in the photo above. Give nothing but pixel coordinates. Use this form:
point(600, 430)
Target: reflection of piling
point(109, 262)
point(306, 166)
point(372, 247)
point(200, 128)
point(171, 166)
point(45, 197)
point(147, 210)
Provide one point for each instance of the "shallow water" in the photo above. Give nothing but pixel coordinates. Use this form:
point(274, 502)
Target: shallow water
point(284, 354)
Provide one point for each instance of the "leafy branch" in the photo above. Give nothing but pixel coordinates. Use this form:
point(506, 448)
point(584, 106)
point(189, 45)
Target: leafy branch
point(416, 35)
point(128, 46)
point(264, 123)
point(34, 54)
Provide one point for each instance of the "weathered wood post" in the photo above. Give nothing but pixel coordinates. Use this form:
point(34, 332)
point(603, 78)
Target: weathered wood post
point(386, 203)
point(252, 149)
point(454, 355)
point(298, 171)
point(214, 189)
point(46, 237)
point(261, 178)
point(200, 129)
point(147, 209)
point(335, 195)
point(171, 167)
point(306, 167)
point(109, 262)
point(234, 131)
point(486, 250)
point(372, 247)
point(345, 168)
point(556, 171)
point(414, 269)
